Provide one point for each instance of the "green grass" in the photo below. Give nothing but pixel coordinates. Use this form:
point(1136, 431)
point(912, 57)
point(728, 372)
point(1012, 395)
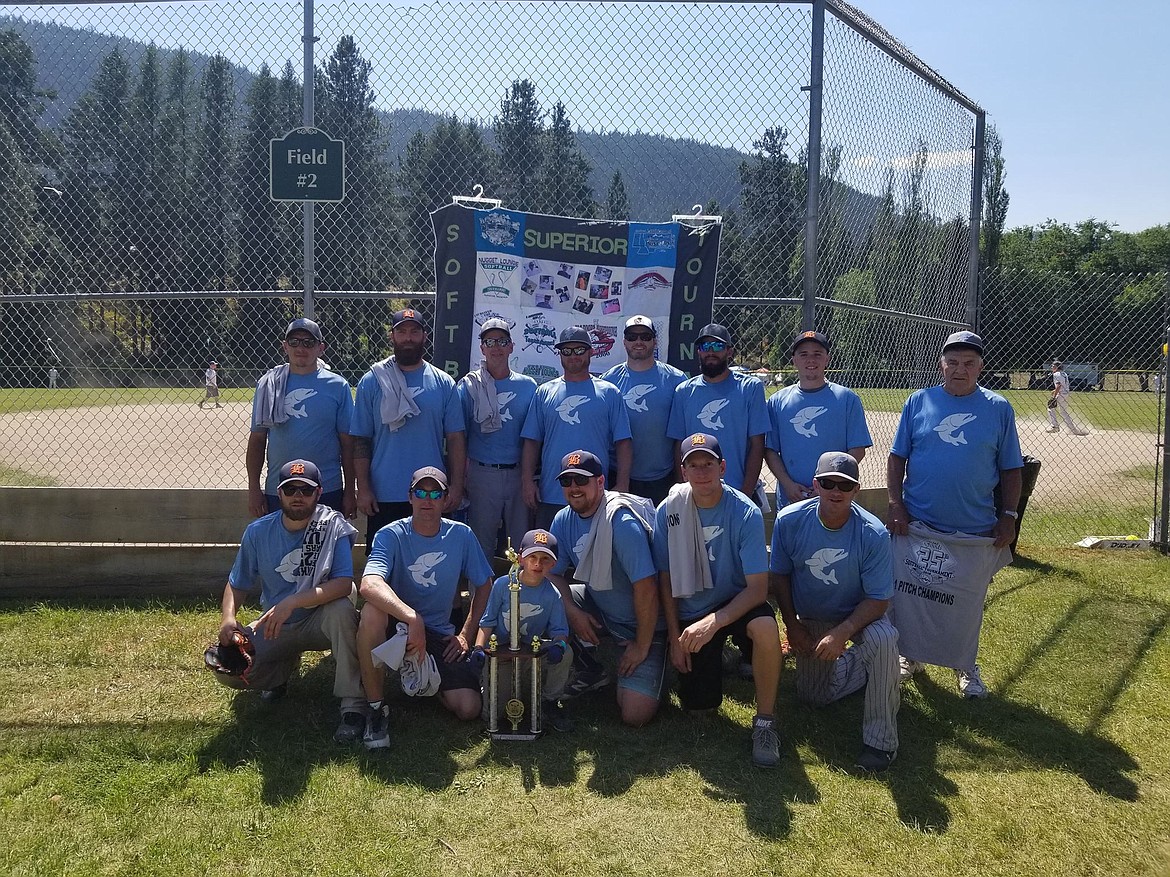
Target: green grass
point(11, 477)
point(120, 755)
point(14, 401)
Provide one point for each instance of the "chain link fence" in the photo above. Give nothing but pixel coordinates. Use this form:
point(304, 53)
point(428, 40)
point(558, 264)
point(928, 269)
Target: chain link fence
point(138, 241)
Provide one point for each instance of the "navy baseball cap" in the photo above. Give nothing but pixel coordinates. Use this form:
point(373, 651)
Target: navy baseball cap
point(535, 541)
point(406, 315)
point(701, 441)
point(837, 463)
point(964, 339)
point(574, 335)
point(435, 474)
point(302, 471)
point(716, 331)
point(581, 463)
point(304, 325)
point(818, 337)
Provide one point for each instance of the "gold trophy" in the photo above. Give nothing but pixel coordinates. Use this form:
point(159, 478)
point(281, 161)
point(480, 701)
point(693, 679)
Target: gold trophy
point(514, 709)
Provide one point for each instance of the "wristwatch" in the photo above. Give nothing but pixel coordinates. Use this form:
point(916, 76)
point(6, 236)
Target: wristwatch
point(1011, 513)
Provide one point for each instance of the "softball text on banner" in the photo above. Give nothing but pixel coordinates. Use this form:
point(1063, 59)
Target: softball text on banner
point(544, 273)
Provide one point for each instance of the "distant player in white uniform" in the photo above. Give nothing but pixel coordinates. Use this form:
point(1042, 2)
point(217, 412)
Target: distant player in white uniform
point(1060, 392)
point(211, 385)
point(832, 577)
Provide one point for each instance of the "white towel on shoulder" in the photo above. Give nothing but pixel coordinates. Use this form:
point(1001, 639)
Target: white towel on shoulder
point(690, 571)
point(594, 565)
point(397, 401)
point(481, 386)
point(268, 407)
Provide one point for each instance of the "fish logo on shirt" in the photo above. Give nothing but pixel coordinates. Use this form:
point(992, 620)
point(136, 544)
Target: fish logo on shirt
point(803, 421)
point(949, 424)
point(293, 398)
point(528, 611)
point(708, 416)
point(502, 400)
point(579, 548)
point(634, 396)
point(568, 408)
point(415, 391)
point(822, 559)
point(288, 564)
point(709, 533)
point(423, 569)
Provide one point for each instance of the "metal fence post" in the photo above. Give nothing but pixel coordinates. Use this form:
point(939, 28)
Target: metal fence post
point(972, 311)
point(815, 89)
point(308, 208)
point(1163, 534)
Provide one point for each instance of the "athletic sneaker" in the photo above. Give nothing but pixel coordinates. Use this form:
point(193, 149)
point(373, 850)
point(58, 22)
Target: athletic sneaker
point(272, 695)
point(554, 715)
point(1052, 429)
point(907, 668)
point(874, 760)
point(971, 683)
point(765, 742)
point(1081, 432)
point(377, 734)
point(584, 681)
point(352, 727)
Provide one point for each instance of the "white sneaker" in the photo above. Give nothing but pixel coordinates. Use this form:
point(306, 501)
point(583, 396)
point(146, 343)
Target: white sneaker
point(907, 668)
point(971, 683)
point(1053, 429)
point(1081, 432)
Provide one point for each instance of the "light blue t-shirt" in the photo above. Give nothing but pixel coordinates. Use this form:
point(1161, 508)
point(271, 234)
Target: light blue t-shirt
point(501, 447)
point(955, 447)
point(632, 561)
point(568, 416)
point(803, 424)
point(648, 396)
point(319, 408)
point(542, 612)
point(424, 571)
point(732, 410)
point(419, 441)
point(831, 571)
point(272, 555)
point(734, 533)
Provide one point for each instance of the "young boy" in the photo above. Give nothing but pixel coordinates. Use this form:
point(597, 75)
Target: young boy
point(542, 614)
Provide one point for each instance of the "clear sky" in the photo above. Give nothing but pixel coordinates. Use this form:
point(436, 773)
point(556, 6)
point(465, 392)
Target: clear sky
point(1077, 90)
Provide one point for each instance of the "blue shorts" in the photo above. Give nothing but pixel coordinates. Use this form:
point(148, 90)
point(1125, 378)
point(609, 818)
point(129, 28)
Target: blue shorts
point(647, 676)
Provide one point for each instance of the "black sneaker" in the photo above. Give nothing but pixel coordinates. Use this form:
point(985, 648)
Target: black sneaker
point(554, 715)
point(874, 760)
point(272, 695)
point(585, 681)
point(352, 727)
point(377, 734)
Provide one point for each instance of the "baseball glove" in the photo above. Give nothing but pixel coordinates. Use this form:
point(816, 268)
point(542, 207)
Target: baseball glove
point(234, 659)
point(1051, 403)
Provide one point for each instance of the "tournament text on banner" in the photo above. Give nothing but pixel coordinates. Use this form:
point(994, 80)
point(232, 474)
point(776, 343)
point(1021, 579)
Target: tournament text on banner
point(544, 273)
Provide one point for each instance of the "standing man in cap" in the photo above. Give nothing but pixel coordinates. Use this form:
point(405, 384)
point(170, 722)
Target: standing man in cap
point(404, 410)
point(713, 577)
point(573, 411)
point(647, 386)
point(301, 409)
point(412, 576)
point(211, 384)
point(495, 402)
point(1060, 391)
point(832, 576)
point(809, 418)
point(605, 537)
point(301, 557)
point(955, 444)
point(726, 404)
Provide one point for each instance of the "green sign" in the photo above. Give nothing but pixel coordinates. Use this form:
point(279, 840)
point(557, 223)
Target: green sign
point(306, 164)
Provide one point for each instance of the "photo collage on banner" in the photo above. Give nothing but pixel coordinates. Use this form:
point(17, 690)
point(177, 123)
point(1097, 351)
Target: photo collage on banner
point(544, 273)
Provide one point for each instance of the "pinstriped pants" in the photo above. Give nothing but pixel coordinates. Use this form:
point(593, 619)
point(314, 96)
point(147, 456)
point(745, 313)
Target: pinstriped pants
point(870, 663)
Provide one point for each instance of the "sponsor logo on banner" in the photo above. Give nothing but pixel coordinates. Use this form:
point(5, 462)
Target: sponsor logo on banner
point(651, 281)
point(500, 231)
point(482, 317)
point(538, 333)
point(604, 337)
point(646, 242)
point(541, 373)
point(497, 270)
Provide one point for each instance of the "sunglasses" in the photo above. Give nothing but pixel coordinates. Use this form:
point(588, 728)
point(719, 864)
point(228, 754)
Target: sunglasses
point(496, 342)
point(423, 493)
point(298, 491)
point(301, 342)
point(834, 484)
point(639, 336)
point(573, 351)
point(712, 346)
point(575, 480)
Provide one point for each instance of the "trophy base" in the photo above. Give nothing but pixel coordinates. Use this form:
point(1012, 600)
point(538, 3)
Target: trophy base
point(513, 736)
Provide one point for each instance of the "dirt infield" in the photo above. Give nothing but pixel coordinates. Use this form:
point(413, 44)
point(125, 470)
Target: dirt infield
point(167, 445)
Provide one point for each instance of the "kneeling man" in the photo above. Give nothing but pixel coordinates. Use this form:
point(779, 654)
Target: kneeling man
point(832, 576)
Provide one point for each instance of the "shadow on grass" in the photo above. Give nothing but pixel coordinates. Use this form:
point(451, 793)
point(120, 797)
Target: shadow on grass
point(1032, 572)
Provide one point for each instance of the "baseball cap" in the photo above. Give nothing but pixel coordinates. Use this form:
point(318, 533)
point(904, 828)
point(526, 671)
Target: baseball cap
point(964, 339)
point(535, 541)
point(406, 315)
point(213, 362)
point(811, 335)
point(580, 463)
point(574, 335)
point(299, 470)
point(495, 323)
point(305, 326)
point(435, 474)
point(701, 441)
point(714, 330)
point(639, 321)
point(1057, 363)
point(837, 463)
